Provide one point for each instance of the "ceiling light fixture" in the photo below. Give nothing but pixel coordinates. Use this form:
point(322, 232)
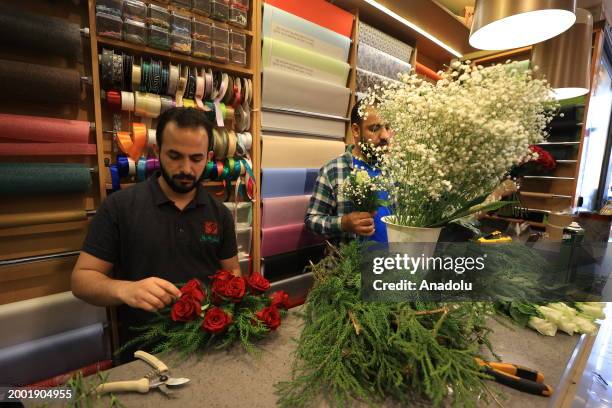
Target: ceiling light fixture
point(507, 24)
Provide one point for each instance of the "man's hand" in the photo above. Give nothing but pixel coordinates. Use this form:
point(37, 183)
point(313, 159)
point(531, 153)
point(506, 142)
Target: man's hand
point(360, 223)
point(149, 294)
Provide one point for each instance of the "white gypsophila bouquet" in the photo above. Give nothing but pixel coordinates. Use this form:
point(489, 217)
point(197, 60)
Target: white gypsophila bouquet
point(454, 141)
point(362, 190)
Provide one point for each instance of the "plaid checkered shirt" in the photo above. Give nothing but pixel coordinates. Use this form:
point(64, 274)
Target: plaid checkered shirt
point(326, 209)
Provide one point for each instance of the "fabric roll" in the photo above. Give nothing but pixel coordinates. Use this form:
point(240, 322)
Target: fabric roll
point(291, 123)
point(46, 316)
point(40, 33)
point(287, 27)
point(284, 210)
point(289, 58)
point(47, 149)
point(285, 269)
point(290, 151)
point(384, 42)
point(369, 80)
point(40, 129)
point(319, 12)
point(287, 238)
point(287, 182)
point(41, 178)
point(381, 63)
point(38, 218)
point(35, 360)
point(285, 90)
point(43, 83)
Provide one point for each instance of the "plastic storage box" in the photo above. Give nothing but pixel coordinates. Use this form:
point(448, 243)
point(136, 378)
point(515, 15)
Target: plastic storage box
point(243, 212)
point(238, 17)
point(243, 4)
point(135, 32)
point(202, 7)
point(135, 10)
point(237, 41)
point(109, 25)
point(238, 57)
point(159, 38)
point(186, 4)
point(201, 49)
point(220, 54)
point(219, 10)
point(110, 7)
point(180, 25)
point(243, 238)
point(220, 36)
point(179, 43)
point(159, 17)
point(201, 30)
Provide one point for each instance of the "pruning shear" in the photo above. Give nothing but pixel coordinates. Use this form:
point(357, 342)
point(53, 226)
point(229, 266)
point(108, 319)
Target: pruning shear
point(157, 378)
point(517, 377)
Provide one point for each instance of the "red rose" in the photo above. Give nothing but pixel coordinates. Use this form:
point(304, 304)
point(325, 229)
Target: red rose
point(270, 316)
point(216, 320)
point(257, 283)
point(222, 275)
point(186, 309)
point(194, 288)
point(280, 299)
point(236, 289)
point(232, 289)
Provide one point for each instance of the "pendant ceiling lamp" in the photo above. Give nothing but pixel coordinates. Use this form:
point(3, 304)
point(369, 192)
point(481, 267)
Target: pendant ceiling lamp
point(506, 24)
point(565, 61)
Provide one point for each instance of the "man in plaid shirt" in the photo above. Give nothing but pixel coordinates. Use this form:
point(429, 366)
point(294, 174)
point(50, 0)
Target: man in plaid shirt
point(333, 216)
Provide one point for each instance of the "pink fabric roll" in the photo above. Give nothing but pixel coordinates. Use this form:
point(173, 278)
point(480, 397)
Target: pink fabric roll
point(47, 149)
point(39, 129)
point(287, 238)
point(279, 211)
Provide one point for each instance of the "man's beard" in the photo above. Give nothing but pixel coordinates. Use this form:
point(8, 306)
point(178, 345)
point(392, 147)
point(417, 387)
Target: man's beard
point(173, 181)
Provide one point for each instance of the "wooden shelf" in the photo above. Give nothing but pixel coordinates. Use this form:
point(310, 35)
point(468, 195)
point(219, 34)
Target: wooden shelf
point(171, 56)
point(109, 186)
point(549, 178)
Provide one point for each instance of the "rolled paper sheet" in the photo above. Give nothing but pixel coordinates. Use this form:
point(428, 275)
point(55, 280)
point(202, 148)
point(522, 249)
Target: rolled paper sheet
point(287, 122)
point(369, 80)
point(285, 90)
point(381, 63)
point(41, 178)
point(39, 359)
point(38, 218)
point(40, 33)
point(319, 12)
point(284, 210)
point(291, 151)
point(45, 316)
point(289, 58)
point(287, 182)
point(284, 269)
point(384, 42)
point(47, 149)
point(19, 80)
point(40, 129)
point(292, 29)
point(287, 238)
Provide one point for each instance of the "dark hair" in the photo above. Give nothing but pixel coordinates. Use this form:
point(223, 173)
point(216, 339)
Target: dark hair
point(184, 118)
point(355, 116)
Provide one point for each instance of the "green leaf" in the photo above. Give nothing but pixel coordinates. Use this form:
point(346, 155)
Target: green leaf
point(471, 210)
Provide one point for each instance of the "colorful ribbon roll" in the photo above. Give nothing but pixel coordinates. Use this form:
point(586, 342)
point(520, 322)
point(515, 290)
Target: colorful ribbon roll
point(133, 144)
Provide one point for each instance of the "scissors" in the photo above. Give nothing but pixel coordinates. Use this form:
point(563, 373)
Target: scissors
point(517, 377)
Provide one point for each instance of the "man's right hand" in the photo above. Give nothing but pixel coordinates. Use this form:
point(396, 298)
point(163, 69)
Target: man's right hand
point(360, 223)
point(149, 294)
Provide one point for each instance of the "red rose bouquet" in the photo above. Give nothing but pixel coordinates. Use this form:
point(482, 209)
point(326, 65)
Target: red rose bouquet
point(232, 309)
point(538, 161)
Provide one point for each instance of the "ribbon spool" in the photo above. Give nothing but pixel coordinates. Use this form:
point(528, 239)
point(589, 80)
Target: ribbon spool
point(152, 165)
point(220, 143)
point(147, 105)
point(141, 169)
point(151, 138)
point(134, 144)
point(127, 101)
point(113, 100)
point(115, 178)
point(173, 80)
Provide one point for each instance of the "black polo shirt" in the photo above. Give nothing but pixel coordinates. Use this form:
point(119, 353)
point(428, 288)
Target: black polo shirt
point(143, 234)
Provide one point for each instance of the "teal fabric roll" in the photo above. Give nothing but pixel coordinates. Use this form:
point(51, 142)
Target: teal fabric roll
point(43, 178)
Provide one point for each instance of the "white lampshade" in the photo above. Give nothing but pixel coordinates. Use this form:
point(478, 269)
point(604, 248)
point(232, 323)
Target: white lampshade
point(507, 24)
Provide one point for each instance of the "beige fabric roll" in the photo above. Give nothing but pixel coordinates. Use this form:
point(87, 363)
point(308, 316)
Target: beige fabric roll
point(38, 218)
point(298, 152)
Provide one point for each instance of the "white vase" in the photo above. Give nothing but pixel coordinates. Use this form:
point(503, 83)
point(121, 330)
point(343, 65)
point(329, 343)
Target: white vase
point(402, 233)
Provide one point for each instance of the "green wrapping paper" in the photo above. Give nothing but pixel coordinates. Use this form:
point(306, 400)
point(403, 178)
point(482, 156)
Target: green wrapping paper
point(43, 178)
point(289, 58)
